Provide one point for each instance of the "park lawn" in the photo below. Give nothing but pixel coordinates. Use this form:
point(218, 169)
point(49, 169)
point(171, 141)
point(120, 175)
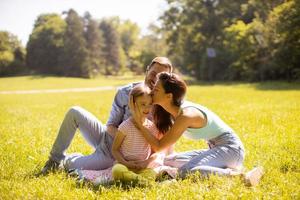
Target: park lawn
point(50, 82)
point(265, 115)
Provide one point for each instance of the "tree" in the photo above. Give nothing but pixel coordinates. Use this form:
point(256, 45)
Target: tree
point(258, 9)
point(265, 48)
point(94, 45)
point(12, 54)
point(45, 45)
point(284, 32)
point(129, 33)
point(195, 28)
point(111, 48)
point(74, 58)
point(244, 39)
point(149, 46)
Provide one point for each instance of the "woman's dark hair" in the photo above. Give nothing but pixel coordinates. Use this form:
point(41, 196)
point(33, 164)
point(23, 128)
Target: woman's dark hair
point(172, 83)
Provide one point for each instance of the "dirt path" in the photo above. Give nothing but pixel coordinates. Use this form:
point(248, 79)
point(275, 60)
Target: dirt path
point(59, 90)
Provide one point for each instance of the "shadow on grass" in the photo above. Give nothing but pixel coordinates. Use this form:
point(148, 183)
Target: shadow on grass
point(124, 187)
point(128, 77)
point(268, 85)
point(80, 183)
point(42, 76)
point(277, 85)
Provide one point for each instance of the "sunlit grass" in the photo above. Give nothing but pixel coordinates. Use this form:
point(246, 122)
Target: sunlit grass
point(41, 82)
point(266, 117)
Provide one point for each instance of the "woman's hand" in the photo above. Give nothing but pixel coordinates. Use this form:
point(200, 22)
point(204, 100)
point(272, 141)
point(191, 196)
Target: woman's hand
point(136, 114)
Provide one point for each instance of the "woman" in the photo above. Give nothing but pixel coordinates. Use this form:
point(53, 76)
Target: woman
point(176, 117)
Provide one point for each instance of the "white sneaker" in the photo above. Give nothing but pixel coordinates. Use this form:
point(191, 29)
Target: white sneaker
point(253, 177)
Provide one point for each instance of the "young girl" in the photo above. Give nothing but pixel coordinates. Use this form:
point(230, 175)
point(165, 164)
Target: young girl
point(132, 152)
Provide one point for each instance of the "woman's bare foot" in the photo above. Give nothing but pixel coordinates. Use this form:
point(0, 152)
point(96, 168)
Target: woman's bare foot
point(253, 177)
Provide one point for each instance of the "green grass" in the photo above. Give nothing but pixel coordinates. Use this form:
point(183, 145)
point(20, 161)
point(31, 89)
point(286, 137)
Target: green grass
point(42, 82)
point(265, 115)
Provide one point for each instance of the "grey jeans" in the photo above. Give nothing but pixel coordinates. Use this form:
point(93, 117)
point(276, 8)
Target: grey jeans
point(226, 152)
point(94, 133)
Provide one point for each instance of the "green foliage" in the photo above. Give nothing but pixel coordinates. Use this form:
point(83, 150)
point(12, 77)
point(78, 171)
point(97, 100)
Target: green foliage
point(284, 27)
point(6, 58)
point(194, 28)
point(129, 36)
point(46, 43)
point(75, 54)
point(149, 46)
point(12, 54)
point(265, 116)
point(111, 47)
point(252, 39)
point(75, 46)
point(129, 33)
point(240, 41)
point(266, 49)
point(94, 43)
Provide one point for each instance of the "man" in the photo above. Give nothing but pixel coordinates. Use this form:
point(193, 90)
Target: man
point(98, 135)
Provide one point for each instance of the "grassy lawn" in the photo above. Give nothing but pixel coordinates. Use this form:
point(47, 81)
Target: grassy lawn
point(265, 115)
point(40, 82)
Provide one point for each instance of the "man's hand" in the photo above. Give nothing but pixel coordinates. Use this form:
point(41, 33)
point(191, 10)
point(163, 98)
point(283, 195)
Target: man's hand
point(112, 130)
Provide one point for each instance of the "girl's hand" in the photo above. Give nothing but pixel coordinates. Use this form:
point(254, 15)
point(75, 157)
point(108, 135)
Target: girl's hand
point(131, 165)
point(142, 164)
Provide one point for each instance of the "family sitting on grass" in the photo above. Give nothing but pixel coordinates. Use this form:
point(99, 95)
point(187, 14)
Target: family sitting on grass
point(136, 144)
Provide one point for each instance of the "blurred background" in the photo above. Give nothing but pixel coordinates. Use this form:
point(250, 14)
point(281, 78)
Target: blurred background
point(209, 40)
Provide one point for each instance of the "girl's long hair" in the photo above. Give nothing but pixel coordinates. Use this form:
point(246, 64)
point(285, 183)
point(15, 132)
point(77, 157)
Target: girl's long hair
point(172, 83)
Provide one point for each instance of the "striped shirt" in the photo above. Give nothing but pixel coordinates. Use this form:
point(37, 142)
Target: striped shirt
point(134, 145)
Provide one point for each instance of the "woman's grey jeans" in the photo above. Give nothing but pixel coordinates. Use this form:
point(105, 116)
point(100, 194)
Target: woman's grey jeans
point(226, 152)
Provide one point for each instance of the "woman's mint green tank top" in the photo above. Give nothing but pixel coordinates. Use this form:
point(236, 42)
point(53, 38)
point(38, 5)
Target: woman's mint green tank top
point(214, 127)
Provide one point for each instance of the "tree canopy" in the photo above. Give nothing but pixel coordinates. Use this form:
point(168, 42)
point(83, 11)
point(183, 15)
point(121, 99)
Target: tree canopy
point(252, 40)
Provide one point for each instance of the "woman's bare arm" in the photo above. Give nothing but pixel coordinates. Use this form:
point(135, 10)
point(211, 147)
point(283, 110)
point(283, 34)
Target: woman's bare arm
point(180, 125)
point(190, 117)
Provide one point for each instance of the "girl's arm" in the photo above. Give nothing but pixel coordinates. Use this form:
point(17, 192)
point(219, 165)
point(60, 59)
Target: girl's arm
point(116, 150)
